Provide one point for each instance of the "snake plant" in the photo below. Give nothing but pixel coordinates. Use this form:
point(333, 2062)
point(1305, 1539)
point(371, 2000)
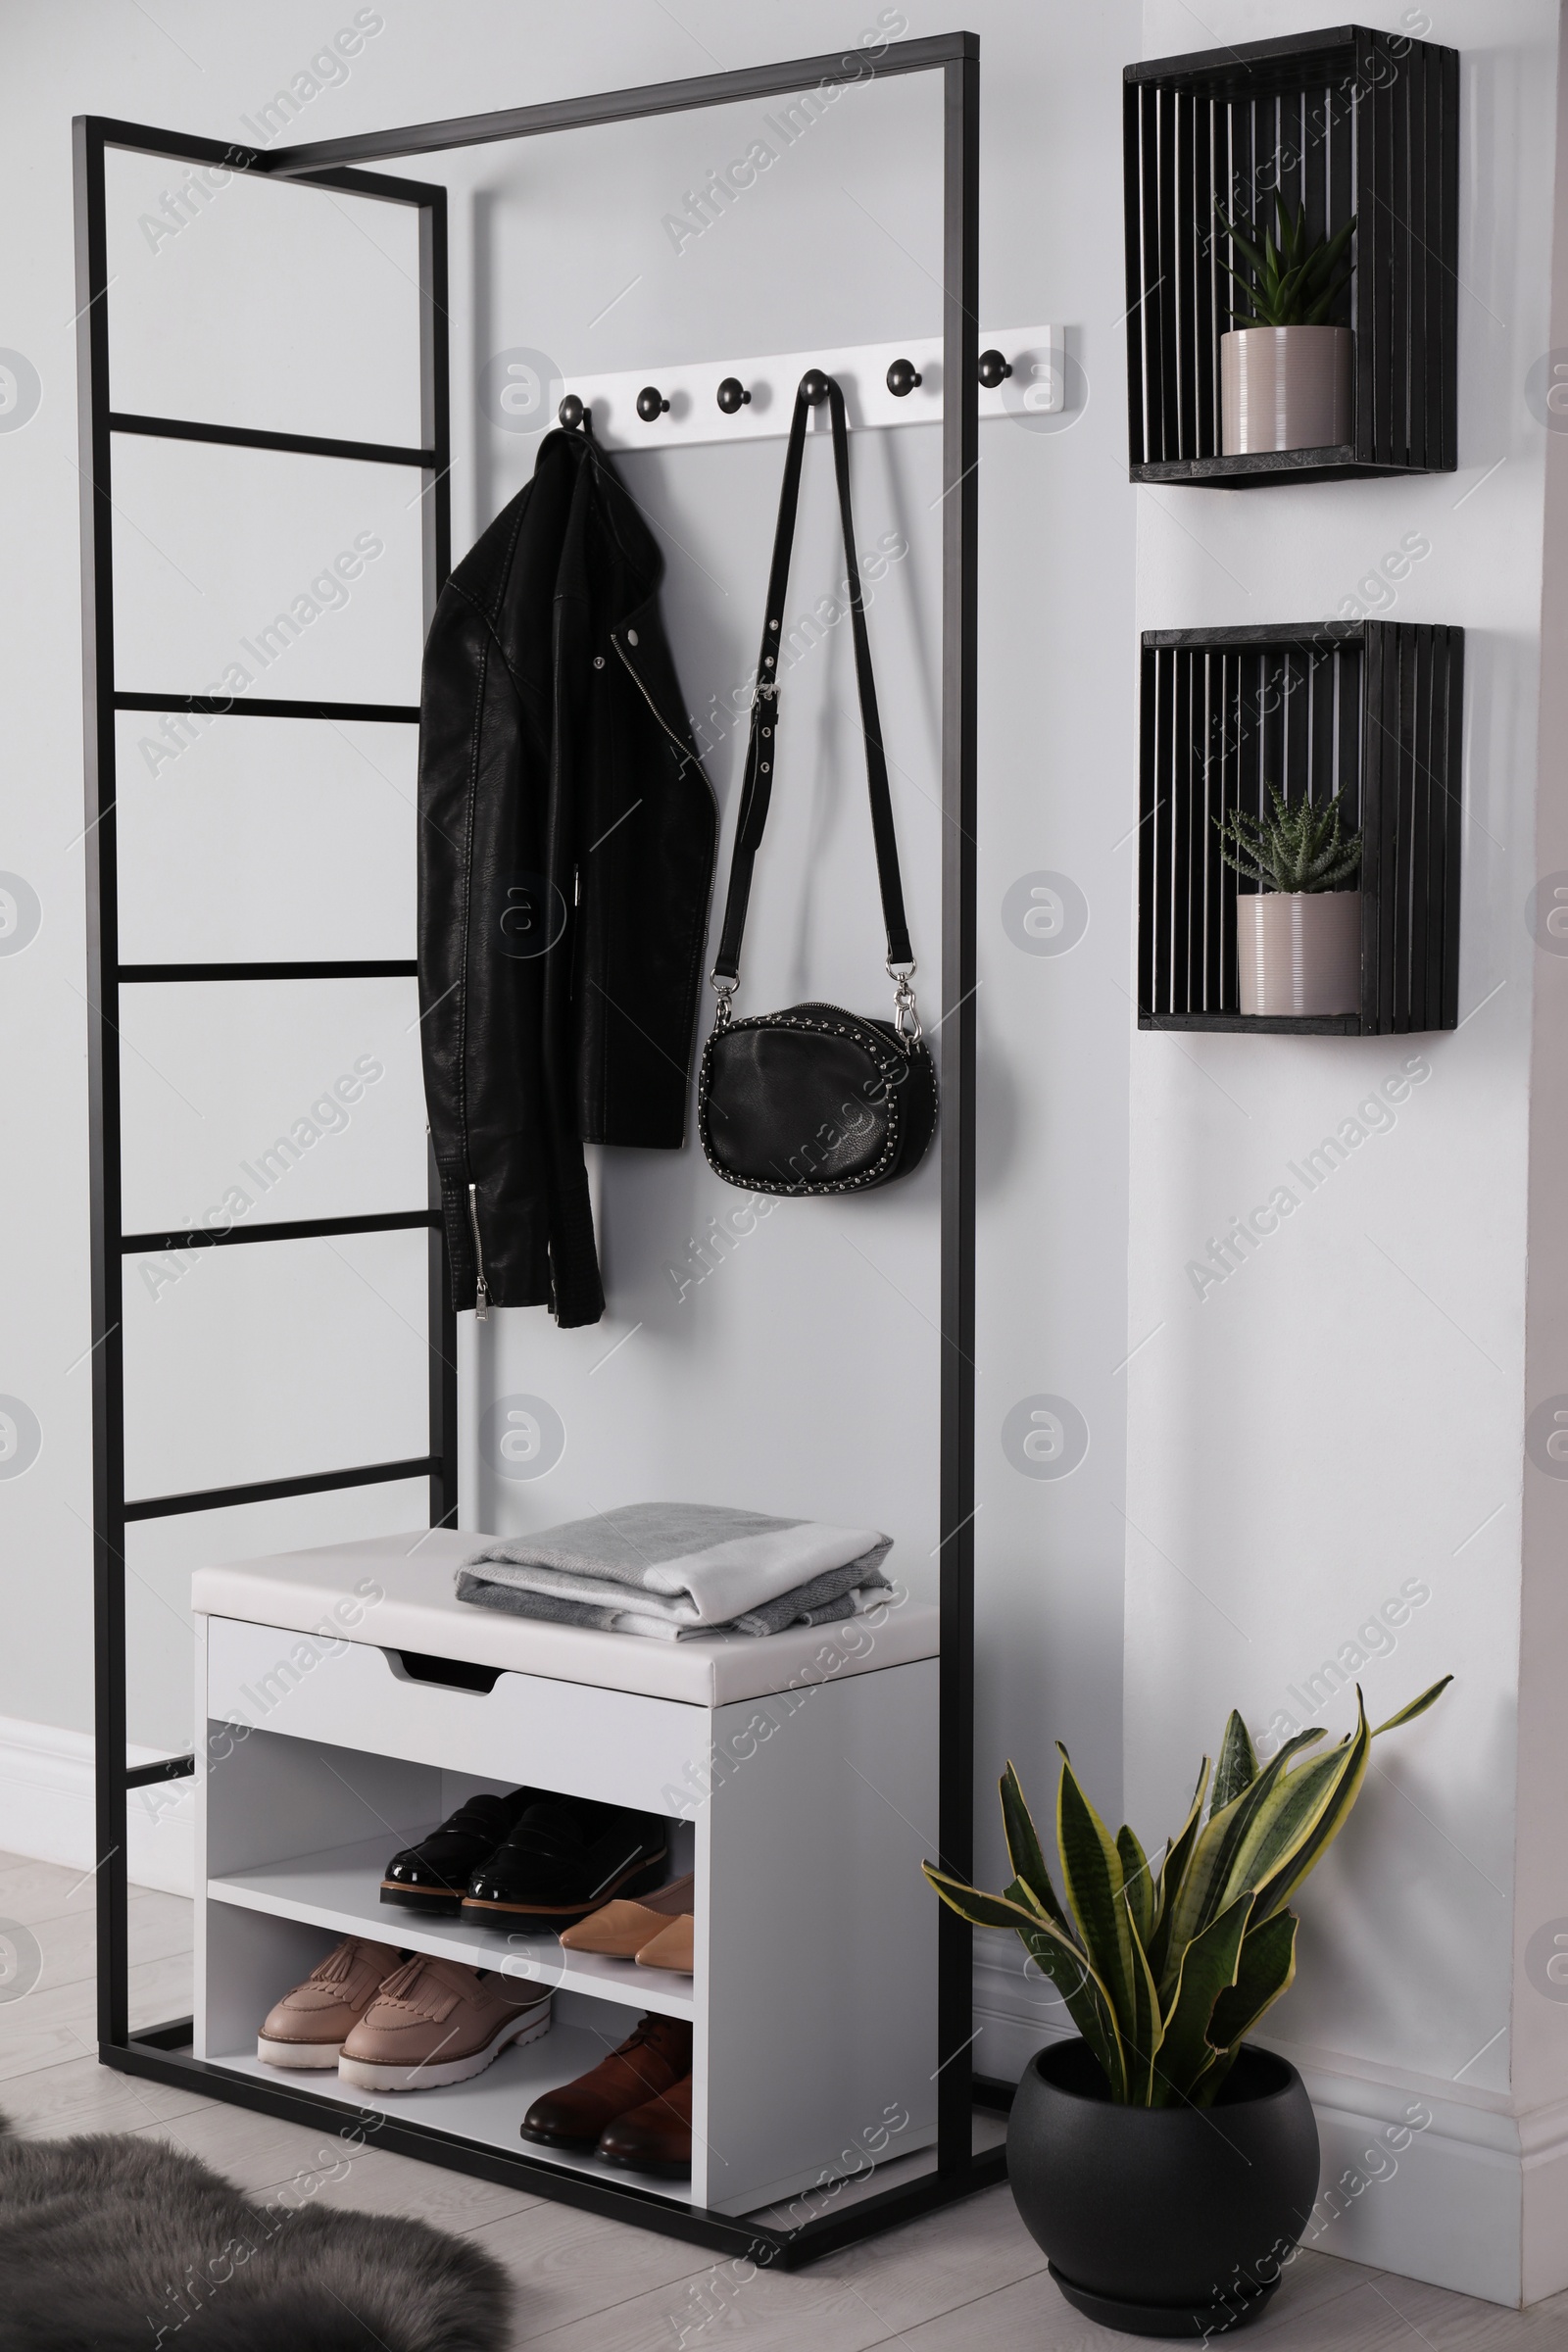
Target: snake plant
point(1300, 849)
point(1294, 281)
point(1164, 1972)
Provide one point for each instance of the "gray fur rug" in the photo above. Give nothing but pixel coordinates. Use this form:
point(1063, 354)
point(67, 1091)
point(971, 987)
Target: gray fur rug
point(115, 2243)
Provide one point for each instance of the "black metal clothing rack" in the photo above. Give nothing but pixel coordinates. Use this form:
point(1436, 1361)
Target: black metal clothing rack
point(158, 2052)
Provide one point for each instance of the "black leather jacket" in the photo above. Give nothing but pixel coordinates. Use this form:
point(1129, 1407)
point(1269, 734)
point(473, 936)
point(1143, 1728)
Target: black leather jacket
point(566, 836)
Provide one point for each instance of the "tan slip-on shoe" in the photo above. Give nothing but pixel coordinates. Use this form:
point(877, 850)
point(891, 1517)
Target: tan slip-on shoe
point(307, 2027)
point(436, 2022)
point(619, 1930)
point(671, 1947)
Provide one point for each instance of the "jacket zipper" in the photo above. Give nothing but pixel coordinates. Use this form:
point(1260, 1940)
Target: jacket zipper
point(481, 1288)
point(631, 672)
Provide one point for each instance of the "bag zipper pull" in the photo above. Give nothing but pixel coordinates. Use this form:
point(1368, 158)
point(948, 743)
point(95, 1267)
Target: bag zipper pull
point(481, 1288)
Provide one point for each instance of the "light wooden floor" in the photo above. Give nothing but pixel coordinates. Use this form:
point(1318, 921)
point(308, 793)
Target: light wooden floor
point(969, 2280)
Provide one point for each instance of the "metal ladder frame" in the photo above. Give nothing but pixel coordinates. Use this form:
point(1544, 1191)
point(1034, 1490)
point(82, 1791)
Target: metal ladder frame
point(158, 2052)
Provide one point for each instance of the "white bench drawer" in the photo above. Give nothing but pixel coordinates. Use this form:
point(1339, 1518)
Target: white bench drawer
point(615, 1746)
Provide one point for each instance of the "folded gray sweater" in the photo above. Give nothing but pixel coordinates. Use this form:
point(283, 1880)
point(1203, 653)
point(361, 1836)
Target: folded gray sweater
point(679, 1570)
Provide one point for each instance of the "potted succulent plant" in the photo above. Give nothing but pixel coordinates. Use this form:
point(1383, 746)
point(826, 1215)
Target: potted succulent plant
point(1298, 939)
point(1284, 371)
point(1159, 2218)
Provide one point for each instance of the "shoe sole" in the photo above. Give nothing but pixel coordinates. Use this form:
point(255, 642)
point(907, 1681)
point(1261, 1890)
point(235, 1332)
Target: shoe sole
point(558, 2139)
point(365, 2074)
point(640, 1879)
point(297, 2053)
point(414, 1898)
point(590, 2147)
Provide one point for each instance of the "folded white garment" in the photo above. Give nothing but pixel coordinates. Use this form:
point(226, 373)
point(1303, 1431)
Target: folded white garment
point(679, 1564)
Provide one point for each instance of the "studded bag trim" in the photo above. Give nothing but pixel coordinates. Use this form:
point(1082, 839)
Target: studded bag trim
point(888, 1061)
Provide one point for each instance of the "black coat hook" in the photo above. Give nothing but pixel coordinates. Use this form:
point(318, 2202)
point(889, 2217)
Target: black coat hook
point(571, 412)
point(732, 395)
point(813, 387)
point(902, 377)
point(651, 403)
point(993, 369)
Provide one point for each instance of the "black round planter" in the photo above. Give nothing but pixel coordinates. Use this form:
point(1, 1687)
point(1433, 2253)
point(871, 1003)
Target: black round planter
point(1164, 2221)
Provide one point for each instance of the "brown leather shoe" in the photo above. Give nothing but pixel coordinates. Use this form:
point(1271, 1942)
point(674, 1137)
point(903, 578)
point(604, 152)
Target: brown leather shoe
point(656, 2138)
point(436, 2021)
point(651, 2060)
point(620, 1929)
point(307, 2027)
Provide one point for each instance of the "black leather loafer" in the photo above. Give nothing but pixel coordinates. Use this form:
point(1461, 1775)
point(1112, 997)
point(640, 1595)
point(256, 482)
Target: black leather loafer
point(432, 1877)
point(564, 1859)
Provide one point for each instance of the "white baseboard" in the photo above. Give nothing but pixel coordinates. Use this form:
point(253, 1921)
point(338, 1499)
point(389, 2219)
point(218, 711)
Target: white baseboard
point(1015, 2010)
point(47, 1807)
point(1419, 2176)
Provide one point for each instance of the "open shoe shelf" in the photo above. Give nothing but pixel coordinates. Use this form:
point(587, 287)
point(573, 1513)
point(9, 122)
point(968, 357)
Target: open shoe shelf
point(1373, 709)
point(490, 2106)
point(340, 1893)
point(1347, 122)
point(802, 1806)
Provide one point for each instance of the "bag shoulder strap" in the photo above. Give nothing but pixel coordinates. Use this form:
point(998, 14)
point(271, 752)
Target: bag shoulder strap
point(762, 750)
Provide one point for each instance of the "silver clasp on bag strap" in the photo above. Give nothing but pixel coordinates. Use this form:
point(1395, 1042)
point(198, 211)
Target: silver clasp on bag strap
point(724, 991)
point(905, 1012)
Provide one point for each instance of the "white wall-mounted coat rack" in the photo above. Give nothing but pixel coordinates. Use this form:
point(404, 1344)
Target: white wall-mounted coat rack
point(652, 409)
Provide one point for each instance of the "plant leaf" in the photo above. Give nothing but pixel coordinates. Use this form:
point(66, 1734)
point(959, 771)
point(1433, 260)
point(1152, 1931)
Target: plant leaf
point(1052, 1951)
point(1138, 1881)
point(1266, 1969)
point(1211, 1882)
point(1308, 1810)
point(1417, 1706)
point(1236, 1768)
point(1024, 1851)
point(1147, 2029)
point(1296, 278)
point(1056, 1955)
point(1090, 1870)
point(1244, 246)
point(973, 1903)
point(1208, 1969)
point(1173, 1870)
point(1296, 849)
point(1334, 252)
point(1317, 314)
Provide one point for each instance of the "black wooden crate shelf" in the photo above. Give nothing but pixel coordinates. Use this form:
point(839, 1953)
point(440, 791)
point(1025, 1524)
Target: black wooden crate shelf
point(1344, 121)
point(1370, 708)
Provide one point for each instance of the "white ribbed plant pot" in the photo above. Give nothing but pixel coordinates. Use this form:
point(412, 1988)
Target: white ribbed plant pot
point(1300, 951)
point(1285, 387)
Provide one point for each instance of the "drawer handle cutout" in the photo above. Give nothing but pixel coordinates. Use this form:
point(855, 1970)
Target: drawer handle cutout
point(452, 1674)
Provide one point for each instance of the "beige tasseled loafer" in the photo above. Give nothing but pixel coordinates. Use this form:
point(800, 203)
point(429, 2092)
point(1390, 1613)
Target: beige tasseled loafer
point(671, 1947)
point(436, 2022)
point(308, 2026)
point(621, 1930)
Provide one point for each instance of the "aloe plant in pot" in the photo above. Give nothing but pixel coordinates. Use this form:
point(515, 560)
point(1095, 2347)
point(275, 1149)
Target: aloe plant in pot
point(1284, 370)
point(1158, 2216)
point(1298, 940)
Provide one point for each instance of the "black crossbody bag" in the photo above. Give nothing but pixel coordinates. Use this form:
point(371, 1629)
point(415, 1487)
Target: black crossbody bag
point(814, 1098)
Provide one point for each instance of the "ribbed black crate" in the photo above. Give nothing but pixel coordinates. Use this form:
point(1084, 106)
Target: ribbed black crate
point(1370, 708)
point(1346, 121)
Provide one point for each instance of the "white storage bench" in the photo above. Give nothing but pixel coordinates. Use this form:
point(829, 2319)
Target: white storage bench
point(351, 1702)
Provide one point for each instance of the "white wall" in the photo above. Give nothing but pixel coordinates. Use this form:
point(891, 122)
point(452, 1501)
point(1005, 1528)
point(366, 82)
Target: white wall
point(1340, 1420)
